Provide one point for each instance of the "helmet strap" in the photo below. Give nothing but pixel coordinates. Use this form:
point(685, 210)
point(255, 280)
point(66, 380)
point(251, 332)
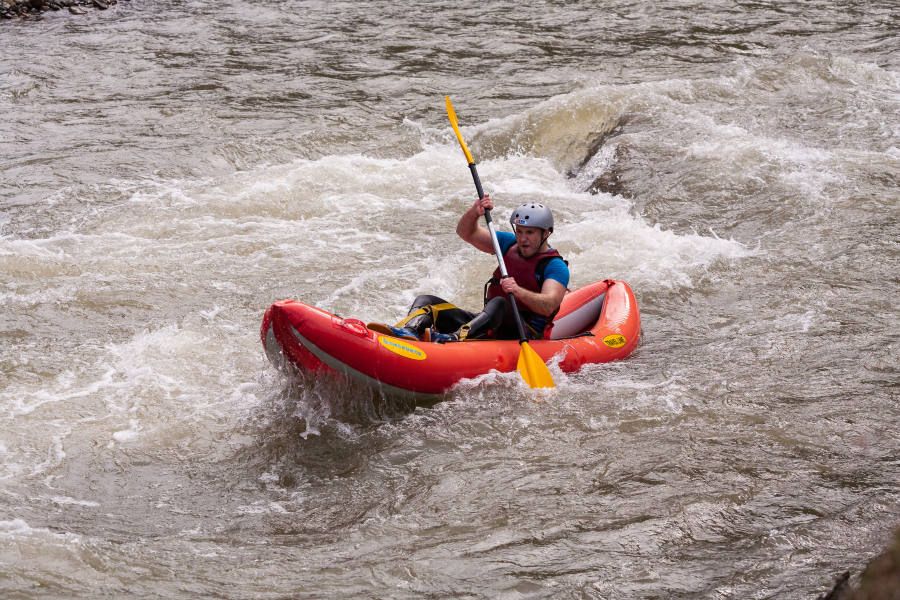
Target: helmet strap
point(544, 239)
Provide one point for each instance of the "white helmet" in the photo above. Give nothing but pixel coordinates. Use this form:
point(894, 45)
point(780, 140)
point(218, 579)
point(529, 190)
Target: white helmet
point(532, 214)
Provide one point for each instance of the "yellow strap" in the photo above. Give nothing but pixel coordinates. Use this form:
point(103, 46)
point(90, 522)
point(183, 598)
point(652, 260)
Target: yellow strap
point(421, 311)
point(434, 309)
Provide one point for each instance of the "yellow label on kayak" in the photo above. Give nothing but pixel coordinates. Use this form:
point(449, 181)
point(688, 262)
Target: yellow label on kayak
point(398, 347)
point(614, 341)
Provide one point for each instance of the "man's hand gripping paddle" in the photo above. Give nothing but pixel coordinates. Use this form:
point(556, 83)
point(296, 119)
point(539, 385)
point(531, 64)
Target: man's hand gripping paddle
point(530, 366)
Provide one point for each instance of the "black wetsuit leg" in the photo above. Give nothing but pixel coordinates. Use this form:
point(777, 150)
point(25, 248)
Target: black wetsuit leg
point(506, 329)
point(495, 321)
point(487, 322)
point(449, 320)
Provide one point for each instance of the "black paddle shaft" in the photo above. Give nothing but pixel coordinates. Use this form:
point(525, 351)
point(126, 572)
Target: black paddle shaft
point(503, 273)
point(477, 181)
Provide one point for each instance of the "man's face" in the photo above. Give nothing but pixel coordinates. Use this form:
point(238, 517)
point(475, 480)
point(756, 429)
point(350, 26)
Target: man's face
point(529, 240)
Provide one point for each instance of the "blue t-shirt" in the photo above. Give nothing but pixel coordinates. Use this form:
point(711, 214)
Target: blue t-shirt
point(556, 270)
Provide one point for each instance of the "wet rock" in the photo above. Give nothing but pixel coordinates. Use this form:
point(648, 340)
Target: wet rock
point(879, 581)
point(610, 130)
point(840, 590)
point(610, 181)
point(34, 9)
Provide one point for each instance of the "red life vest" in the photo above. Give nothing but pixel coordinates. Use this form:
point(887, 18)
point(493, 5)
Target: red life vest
point(523, 271)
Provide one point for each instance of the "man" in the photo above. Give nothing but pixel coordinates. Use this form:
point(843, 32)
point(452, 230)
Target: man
point(538, 277)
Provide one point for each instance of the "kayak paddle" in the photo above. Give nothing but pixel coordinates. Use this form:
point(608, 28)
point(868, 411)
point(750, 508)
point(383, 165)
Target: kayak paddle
point(530, 366)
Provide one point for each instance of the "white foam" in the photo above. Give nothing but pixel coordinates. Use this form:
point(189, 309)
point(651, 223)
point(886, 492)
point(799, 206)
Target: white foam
point(15, 526)
point(66, 500)
point(261, 507)
point(211, 314)
point(126, 435)
point(148, 389)
point(20, 530)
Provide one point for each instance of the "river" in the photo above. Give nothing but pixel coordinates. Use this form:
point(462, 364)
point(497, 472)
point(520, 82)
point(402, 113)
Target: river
point(169, 169)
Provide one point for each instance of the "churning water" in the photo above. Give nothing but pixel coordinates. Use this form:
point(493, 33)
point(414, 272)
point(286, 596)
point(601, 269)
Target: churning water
point(169, 169)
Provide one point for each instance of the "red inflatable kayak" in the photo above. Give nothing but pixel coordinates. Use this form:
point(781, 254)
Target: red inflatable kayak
point(597, 323)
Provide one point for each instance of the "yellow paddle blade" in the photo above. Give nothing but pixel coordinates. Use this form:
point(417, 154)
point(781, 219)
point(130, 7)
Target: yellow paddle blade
point(455, 123)
point(532, 368)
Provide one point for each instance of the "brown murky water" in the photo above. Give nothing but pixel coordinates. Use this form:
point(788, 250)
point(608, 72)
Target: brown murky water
point(169, 169)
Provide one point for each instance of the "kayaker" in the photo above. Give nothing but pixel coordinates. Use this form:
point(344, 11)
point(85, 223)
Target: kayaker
point(538, 277)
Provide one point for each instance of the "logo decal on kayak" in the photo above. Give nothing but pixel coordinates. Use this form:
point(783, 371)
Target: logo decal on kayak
point(614, 341)
point(405, 350)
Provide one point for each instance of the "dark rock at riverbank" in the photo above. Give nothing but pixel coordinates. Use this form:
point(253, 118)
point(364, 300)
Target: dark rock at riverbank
point(29, 9)
point(879, 581)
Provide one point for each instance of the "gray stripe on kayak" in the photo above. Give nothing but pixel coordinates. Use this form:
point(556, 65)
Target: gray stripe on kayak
point(579, 320)
point(273, 349)
point(358, 376)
